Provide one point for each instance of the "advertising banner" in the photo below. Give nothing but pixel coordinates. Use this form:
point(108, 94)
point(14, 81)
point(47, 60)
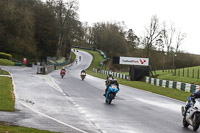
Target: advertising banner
point(134, 61)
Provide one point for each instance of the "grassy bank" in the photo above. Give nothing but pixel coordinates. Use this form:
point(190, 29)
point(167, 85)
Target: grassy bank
point(172, 93)
point(6, 62)
point(73, 57)
point(4, 72)
point(6, 94)
point(16, 129)
point(96, 59)
point(187, 78)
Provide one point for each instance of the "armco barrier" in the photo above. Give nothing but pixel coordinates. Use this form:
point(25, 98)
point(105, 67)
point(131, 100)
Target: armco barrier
point(172, 84)
point(118, 75)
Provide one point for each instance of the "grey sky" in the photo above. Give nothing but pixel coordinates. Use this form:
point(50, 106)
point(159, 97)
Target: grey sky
point(137, 14)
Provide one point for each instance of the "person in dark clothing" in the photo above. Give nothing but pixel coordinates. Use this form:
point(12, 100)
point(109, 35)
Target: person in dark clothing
point(191, 100)
point(83, 71)
point(114, 81)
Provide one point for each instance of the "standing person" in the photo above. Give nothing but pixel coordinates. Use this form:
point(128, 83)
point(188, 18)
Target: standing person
point(79, 58)
point(76, 61)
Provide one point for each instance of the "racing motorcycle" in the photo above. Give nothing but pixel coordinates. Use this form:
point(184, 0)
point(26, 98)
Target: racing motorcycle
point(192, 116)
point(83, 74)
point(111, 93)
point(62, 73)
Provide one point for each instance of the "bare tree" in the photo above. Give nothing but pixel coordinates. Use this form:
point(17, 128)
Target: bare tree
point(180, 37)
point(168, 35)
point(152, 32)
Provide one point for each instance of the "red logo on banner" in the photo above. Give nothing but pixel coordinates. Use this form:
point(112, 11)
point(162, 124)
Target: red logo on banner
point(142, 62)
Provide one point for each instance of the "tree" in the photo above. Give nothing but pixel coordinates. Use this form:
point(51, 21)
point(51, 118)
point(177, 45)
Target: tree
point(168, 35)
point(179, 39)
point(152, 33)
point(132, 39)
point(46, 30)
point(66, 14)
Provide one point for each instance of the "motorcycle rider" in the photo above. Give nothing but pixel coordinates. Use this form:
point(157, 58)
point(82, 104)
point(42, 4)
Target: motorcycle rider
point(83, 71)
point(63, 70)
point(113, 81)
point(191, 100)
point(109, 76)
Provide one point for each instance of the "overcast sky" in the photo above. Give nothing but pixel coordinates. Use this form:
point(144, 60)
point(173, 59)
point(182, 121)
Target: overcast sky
point(137, 14)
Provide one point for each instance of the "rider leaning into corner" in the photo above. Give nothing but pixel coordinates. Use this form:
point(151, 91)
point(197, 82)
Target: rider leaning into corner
point(191, 99)
point(113, 81)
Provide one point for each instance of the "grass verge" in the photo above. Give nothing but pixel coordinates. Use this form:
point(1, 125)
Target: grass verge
point(73, 57)
point(172, 93)
point(4, 72)
point(181, 78)
point(6, 94)
point(6, 62)
point(16, 129)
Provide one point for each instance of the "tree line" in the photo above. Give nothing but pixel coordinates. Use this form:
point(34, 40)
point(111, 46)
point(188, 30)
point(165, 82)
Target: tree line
point(36, 29)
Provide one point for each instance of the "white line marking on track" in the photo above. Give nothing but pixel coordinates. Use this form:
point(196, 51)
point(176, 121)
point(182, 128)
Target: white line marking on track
point(54, 119)
point(16, 96)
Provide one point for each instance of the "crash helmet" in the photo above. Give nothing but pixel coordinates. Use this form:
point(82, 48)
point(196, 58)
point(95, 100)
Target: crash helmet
point(110, 75)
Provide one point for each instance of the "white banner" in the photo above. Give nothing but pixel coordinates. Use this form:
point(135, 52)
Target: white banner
point(134, 61)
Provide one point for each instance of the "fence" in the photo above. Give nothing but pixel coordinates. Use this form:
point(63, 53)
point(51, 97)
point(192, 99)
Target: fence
point(172, 84)
point(115, 74)
point(184, 72)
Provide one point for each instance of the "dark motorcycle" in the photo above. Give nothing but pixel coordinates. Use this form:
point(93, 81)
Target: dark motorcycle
point(83, 74)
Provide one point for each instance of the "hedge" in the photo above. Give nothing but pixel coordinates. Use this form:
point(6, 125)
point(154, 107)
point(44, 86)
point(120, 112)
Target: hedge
point(5, 56)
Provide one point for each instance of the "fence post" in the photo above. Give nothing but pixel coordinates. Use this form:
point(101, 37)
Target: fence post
point(183, 72)
point(188, 72)
point(178, 72)
point(192, 73)
point(198, 74)
point(175, 72)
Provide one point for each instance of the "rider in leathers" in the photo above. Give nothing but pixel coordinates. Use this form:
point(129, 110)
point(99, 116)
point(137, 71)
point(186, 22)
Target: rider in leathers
point(191, 100)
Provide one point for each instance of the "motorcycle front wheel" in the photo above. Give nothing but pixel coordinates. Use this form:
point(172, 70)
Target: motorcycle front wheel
point(185, 123)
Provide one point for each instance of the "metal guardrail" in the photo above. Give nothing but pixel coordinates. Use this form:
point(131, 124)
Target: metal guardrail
point(172, 84)
point(114, 74)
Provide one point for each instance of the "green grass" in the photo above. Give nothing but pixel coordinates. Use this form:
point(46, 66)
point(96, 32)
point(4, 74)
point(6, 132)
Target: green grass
point(17, 129)
point(6, 62)
point(4, 72)
point(96, 59)
point(187, 78)
point(73, 57)
point(6, 94)
point(172, 93)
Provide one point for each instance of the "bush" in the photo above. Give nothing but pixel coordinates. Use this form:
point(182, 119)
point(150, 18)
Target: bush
point(6, 62)
point(5, 56)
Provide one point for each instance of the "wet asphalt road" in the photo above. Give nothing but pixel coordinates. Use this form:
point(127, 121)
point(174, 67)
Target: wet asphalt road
point(71, 105)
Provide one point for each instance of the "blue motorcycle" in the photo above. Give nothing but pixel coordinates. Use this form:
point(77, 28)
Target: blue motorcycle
point(111, 93)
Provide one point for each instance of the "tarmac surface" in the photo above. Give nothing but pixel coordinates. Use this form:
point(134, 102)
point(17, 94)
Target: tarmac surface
point(70, 105)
